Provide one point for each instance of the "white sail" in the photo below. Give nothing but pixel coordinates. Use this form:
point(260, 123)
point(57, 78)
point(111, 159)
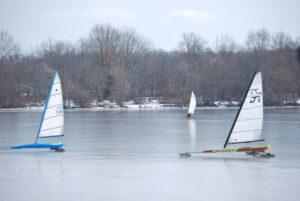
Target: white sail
point(248, 124)
point(52, 123)
point(192, 105)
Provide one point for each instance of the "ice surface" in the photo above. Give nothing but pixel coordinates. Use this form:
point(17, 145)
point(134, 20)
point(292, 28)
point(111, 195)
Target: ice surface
point(121, 155)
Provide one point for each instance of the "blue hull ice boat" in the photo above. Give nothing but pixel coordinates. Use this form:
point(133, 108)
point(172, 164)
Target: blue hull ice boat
point(52, 121)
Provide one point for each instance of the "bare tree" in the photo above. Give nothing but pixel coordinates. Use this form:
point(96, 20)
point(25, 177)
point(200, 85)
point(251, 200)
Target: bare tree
point(298, 54)
point(225, 43)
point(120, 64)
point(8, 47)
point(9, 51)
point(281, 40)
point(192, 43)
point(258, 40)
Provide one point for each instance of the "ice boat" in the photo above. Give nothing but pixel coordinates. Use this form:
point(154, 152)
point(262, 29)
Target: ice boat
point(248, 124)
point(192, 105)
point(52, 121)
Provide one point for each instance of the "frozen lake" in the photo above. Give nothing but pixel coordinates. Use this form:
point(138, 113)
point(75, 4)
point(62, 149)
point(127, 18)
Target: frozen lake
point(133, 155)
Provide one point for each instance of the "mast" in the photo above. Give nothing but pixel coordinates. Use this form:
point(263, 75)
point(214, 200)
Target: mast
point(237, 115)
point(45, 107)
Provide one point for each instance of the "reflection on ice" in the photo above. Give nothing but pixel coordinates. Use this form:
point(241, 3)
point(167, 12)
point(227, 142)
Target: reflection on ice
point(192, 132)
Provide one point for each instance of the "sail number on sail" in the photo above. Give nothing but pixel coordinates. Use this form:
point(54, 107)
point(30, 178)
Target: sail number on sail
point(59, 110)
point(255, 95)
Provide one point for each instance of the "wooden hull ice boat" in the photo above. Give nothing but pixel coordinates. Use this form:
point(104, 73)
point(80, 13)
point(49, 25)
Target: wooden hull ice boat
point(247, 126)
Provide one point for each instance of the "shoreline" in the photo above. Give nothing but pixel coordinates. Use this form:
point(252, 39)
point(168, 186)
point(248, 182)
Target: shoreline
point(100, 109)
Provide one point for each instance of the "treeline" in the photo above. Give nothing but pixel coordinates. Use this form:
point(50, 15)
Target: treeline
point(119, 64)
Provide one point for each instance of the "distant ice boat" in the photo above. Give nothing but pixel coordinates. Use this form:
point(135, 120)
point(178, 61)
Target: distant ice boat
point(248, 123)
point(192, 105)
point(52, 121)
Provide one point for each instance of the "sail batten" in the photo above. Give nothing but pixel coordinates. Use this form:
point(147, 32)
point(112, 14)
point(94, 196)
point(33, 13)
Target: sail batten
point(245, 131)
point(52, 123)
point(52, 117)
point(249, 119)
point(248, 123)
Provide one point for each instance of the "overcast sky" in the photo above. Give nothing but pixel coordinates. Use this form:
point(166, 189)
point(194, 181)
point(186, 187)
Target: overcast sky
point(33, 21)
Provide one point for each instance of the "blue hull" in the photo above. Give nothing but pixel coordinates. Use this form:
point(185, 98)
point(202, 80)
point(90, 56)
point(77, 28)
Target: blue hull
point(38, 146)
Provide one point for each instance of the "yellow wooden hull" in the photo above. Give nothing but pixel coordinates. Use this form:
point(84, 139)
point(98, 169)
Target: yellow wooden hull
point(257, 149)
